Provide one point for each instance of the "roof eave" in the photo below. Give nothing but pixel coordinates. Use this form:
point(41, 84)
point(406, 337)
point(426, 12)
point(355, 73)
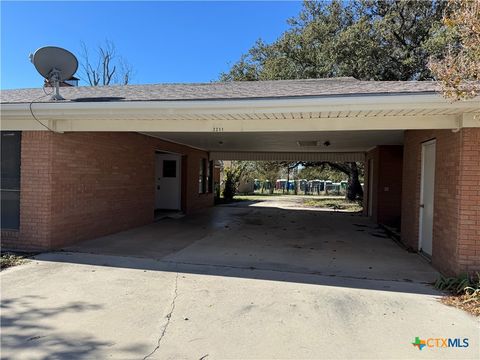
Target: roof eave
point(244, 106)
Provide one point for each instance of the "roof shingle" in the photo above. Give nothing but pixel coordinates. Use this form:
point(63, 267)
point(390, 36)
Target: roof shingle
point(224, 90)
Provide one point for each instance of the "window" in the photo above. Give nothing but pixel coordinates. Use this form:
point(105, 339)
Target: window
point(210, 177)
point(10, 177)
point(205, 177)
point(169, 168)
point(201, 177)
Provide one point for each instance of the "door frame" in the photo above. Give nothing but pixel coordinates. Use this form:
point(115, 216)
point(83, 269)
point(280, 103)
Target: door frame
point(422, 183)
point(181, 171)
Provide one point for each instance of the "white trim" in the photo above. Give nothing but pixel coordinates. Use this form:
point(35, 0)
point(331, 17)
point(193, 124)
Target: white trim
point(256, 125)
point(165, 152)
point(422, 181)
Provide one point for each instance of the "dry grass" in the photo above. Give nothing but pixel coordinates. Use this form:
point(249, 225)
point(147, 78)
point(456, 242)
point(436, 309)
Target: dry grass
point(335, 204)
point(8, 260)
point(469, 303)
point(464, 292)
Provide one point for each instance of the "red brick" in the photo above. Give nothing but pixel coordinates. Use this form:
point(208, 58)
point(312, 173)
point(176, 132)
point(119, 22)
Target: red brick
point(77, 186)
point(456, 225)
point(387, 173)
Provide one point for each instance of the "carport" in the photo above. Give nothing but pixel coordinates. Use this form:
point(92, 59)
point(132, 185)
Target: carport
point(273, 234)
point(388, 125)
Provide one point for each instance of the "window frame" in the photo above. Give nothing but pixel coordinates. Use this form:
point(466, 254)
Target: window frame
point(10, 185)
point(205, 176)
point(209, 177)
point(201, 177)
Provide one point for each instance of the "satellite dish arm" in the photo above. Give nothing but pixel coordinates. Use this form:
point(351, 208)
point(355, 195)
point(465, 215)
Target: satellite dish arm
point(54, 77)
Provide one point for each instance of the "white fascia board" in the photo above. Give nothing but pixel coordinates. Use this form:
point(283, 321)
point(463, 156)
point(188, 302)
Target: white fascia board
point(209, 125)
point(152, 109)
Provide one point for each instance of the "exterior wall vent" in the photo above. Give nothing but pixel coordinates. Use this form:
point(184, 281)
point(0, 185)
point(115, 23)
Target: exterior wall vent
point(307, 143)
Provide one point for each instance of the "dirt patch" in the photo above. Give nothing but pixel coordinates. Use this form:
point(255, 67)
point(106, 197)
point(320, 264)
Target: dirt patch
point(335, 204)
point(467, 303)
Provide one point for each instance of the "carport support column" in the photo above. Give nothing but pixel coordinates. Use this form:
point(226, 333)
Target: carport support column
point(469, 202)
point(385, 189)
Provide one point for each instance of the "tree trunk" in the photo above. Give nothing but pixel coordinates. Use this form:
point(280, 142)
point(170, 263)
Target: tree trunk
point(354, 189)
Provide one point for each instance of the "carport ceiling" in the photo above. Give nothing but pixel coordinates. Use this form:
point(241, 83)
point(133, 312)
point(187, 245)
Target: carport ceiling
point(338, 141)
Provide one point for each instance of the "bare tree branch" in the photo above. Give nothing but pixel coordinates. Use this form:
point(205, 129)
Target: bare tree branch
point(109, 70)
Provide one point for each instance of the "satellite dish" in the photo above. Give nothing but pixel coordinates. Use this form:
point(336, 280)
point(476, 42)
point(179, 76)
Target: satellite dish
point(56, 65)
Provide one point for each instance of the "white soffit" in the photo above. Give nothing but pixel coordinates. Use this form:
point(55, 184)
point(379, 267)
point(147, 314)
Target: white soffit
point(292, 156)
point(284, 142)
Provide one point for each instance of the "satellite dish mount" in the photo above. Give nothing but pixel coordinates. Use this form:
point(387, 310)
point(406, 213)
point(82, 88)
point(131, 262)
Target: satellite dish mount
point(56, 65)
point(54, 79)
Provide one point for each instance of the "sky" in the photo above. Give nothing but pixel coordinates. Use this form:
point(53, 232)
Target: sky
point(164, 41)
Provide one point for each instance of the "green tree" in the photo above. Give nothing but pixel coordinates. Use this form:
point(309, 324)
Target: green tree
point(331, 170)
point(365, 39)
point(269, 171)
point(233, 172)
point(322, 172)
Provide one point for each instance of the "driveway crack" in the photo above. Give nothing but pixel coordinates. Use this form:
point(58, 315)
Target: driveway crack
point(169, 317)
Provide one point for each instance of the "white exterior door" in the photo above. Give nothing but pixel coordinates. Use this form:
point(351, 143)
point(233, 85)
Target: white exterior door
point(168, 182)
point(426, 197)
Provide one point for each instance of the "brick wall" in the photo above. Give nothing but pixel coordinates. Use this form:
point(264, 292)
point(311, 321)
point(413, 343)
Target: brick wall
point(456, 223)
point(469, 198)
point(77, 186)
point(387, 184)
point(102, 182)
point(35, 190)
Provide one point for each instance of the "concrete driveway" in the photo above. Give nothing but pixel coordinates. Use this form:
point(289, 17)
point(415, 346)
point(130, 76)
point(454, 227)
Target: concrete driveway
point(243, 281)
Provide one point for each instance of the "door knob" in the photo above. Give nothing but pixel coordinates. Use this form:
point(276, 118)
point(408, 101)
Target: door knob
point(422, 206)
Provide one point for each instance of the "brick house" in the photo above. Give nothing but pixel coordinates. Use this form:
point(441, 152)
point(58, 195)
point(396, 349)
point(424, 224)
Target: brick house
point(107, 158)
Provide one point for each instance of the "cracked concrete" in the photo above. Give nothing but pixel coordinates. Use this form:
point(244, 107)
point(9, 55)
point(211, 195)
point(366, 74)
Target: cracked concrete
point(255, 283)
point(168, 317)
point(95, 306)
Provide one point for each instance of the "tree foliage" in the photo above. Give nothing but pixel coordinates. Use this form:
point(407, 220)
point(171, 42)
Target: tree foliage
point(233, 172)
point(352, 170)
point(457, 64)
point(365, 39)
point(323, 172)
point(268, 171)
